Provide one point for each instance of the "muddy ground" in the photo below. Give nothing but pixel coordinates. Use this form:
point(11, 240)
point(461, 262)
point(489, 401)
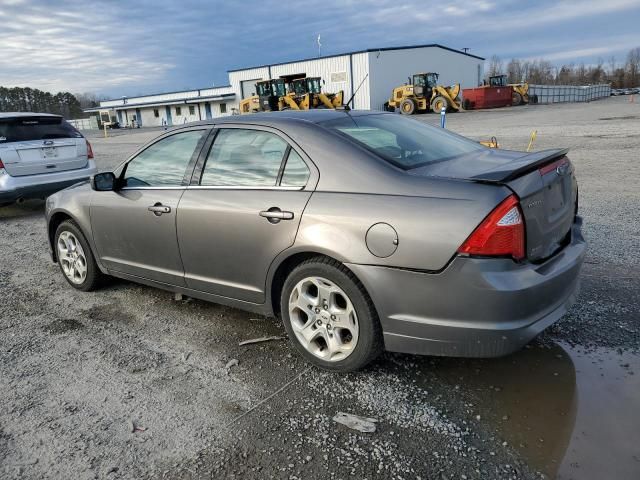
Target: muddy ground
point(129, 383)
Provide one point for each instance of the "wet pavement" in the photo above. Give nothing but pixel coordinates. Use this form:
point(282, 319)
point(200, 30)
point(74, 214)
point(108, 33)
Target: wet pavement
point(572, 413)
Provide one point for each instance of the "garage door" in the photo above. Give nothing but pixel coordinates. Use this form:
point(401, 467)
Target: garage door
point(248, 87)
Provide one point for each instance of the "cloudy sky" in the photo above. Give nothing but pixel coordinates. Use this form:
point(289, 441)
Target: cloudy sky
point(114, 47)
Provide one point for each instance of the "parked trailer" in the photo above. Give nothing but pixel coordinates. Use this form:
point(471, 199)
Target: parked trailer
point(486, 97)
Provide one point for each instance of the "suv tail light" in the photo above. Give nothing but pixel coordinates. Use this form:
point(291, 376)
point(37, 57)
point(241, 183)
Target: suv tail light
point(89, 150)
point(500, 234)
point(1, 164)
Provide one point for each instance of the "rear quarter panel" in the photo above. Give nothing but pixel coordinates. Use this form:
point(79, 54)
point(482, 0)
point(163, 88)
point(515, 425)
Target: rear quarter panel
point(430, 227)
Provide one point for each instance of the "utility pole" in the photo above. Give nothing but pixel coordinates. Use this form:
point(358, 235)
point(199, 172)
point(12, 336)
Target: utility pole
point(319, 46)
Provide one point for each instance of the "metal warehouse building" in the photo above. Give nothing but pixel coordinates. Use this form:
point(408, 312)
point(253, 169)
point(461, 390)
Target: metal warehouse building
point(371, 73)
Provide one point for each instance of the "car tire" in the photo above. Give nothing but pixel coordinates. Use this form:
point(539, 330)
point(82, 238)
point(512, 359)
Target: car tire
point(350, 316)
point(75, 258)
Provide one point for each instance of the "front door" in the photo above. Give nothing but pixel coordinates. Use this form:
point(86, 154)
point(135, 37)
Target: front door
point(244, 211)
point(134, 228)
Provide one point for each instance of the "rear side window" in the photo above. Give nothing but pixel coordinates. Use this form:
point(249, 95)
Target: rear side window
point(296, 172)
point(403, 142)
point(244, 158)
point(22, 129)
point(164, 163)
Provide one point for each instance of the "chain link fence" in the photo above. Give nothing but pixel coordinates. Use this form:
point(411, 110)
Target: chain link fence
point(568, 93)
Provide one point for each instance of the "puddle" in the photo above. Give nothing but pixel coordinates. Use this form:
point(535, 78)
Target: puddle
point(571, 414)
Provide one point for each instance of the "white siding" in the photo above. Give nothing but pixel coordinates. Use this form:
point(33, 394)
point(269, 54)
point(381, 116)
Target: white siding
point(260, 73)
point(362, 79)
point(323, 68)
point(390, 68)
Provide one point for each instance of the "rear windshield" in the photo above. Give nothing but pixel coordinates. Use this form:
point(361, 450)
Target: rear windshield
point(401, 141)
point(21, 129)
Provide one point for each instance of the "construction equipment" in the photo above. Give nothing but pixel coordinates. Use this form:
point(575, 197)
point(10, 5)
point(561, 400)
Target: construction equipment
point(424, 95)
point(308, 94)
point(267, 98)
point(301, 94)
point(520, 91)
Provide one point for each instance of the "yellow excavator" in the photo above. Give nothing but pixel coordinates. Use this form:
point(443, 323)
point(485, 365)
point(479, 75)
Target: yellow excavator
point(424, 95)
point(520, 95)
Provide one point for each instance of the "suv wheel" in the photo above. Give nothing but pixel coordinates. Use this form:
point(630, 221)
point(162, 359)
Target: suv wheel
point(329, 317)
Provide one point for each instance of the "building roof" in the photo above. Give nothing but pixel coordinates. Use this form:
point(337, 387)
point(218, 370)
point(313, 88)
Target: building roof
point(160, 103)
point(368, 50)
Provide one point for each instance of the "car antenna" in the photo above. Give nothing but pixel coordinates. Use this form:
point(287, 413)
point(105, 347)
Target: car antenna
point(346, 107)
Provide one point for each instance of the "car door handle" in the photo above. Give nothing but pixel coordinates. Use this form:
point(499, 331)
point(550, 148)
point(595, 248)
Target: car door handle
point(158, 209)
point(274, 215)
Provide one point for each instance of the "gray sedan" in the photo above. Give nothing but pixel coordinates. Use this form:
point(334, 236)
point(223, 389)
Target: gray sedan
point(363, 231)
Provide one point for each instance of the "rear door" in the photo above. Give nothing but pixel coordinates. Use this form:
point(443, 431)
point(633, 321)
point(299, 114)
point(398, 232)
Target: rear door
point(243, 210)
point(134, 228)
point(31, 145)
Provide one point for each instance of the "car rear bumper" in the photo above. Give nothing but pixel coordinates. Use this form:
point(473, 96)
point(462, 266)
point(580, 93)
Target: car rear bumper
point(43, 185)
point(475, 307)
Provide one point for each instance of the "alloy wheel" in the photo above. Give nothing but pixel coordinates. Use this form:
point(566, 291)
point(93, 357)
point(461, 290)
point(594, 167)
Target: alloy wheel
point(323, 319)
point(72, 258)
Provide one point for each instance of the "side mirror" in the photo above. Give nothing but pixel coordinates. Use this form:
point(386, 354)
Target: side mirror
point(103, 182)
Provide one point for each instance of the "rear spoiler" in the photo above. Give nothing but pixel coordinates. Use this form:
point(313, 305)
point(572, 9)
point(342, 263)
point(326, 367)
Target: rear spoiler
point(521, 166)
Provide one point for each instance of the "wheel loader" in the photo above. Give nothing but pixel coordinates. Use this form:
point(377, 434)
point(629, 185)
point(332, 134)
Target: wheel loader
point(424, 95)
point(301, 94)
point(308, 94)
point(520, 95)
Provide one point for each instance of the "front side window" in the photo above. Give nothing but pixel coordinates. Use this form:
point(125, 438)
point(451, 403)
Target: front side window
point(244, 158)
point(192, 110)
point(164, 163)
point(156, 113)
point(403, 142)
point(223, 108)
point(178, 111)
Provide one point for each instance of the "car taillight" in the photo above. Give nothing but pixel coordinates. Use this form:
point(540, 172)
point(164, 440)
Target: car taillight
point(89, 150)
point(500, 234)
point(1, 164)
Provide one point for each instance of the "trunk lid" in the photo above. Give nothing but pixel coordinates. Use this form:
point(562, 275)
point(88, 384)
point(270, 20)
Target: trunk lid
point(31, 145)
point(544, 182)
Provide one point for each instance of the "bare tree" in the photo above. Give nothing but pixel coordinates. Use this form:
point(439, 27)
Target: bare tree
point(495, 66)
point(544, 72)
point(633, 67)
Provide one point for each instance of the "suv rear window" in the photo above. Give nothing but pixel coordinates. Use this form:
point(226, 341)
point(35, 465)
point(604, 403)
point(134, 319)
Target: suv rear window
point(21, 129)
point(401, 141)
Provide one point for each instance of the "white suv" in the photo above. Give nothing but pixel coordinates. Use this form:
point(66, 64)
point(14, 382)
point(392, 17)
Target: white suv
point(40, 154)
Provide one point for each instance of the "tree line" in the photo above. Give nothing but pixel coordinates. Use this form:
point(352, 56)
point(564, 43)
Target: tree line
point(25, 99)
point(543, 72)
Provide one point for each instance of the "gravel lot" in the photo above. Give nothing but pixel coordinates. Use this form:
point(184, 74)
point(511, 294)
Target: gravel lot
point(129, 383)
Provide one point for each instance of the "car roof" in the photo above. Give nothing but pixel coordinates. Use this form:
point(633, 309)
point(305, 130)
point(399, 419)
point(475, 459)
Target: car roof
point(287, 117)
point(26, 114)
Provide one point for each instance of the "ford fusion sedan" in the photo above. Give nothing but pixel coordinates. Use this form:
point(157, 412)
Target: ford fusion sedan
point(40, 154)
point(363, 231)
